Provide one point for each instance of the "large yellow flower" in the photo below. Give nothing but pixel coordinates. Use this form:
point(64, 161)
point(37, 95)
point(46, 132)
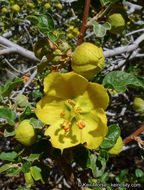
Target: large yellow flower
point(74, 109)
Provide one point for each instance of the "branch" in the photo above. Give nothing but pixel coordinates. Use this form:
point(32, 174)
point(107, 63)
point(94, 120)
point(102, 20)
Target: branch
point(18, 49)
point(133, 7)
point(84, 23)
point(123, 49)
point(29, 81)
point(131, 137)
point(7, 51)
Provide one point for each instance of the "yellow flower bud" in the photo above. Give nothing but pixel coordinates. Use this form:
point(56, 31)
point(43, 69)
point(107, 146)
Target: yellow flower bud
point(87, 60)
point(117, 22)
point(59, 6)
point(69, 35)
point(15, 8)
point(75, 32)
point(4, 10)
point(138, 105)
point(25, 133)
point(47, 6)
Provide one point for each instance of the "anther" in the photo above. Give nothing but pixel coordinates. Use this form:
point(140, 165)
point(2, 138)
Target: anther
point(79, 110)
point(71, 102)
point(81, 124)
point(67, 128)
point(62, 114)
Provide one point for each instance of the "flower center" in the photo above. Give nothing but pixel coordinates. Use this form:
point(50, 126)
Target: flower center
point(74, 115)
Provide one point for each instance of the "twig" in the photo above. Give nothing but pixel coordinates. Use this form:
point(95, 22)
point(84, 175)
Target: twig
point(7, 51)
point(134, 32)
point(84, 23)
point(123, 49)
point(131, 137)
point(133, 7)
point(12, 66)
point(1, 133)
point(18, 49)
point(29, 81)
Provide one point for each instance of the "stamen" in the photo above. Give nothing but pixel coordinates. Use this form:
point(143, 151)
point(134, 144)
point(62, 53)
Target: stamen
point(67, 128)
point(71, 102)
point(81, 124)
point(66, 125)
point(62, 114)
point(79, 110)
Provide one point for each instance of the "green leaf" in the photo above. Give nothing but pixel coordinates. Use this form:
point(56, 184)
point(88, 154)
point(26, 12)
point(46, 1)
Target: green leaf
point(97, 165)
point(119, 81)
point(46, 23)
point(8, 132)
point(44, 63)
point(25, 114)
point(33, 157)
point(10, 156)
point(23, 188)
point(26, 167)
point(37, 94)
point(14, 171)
point(8, 114)
point(36, 173)
point(28, 179)
point(98, 29)
point(52, 36)
point(107, 25)
point(33, 19)
point(139, 173)
point(5, 167)
point(37, 124)
point(104, 177)
point(121, 178)
point(10, 86)
point(111, 137)
point(2, 24)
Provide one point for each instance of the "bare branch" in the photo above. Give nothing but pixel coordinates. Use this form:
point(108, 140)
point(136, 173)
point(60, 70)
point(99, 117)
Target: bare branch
point(18, 49)
point(7, 51)
point(133, 7)
point(123, 49)
point(29, 81)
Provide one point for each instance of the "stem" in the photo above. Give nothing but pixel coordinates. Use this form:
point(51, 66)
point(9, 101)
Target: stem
point(1, 133)
point(136, 133)
point(84, 23)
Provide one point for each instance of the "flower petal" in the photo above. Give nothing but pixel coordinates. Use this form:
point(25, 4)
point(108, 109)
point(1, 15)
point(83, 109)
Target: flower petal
point(95, 128)
point(64, 85)
point(95, 96)
point(48, 109)
point(98, 95)
point(62, 139)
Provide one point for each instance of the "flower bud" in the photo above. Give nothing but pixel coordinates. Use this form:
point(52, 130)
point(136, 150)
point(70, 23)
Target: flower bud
point(87, 60)
point(47, 6)
point(25, 133)
point(15, 8)
point(117, 148)
point(118, 18)
point(117, 22)
point(4, 10)
point(138, 105)
point(22, 101)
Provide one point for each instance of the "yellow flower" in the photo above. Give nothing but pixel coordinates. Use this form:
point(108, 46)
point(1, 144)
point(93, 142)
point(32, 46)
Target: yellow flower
point(74, 109)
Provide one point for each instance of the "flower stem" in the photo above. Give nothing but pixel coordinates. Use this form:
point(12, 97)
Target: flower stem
point(136, 133)
point(84, 23)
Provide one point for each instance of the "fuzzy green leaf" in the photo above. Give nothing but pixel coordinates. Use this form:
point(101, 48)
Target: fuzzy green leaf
point(8, 114)
point(119, 81)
